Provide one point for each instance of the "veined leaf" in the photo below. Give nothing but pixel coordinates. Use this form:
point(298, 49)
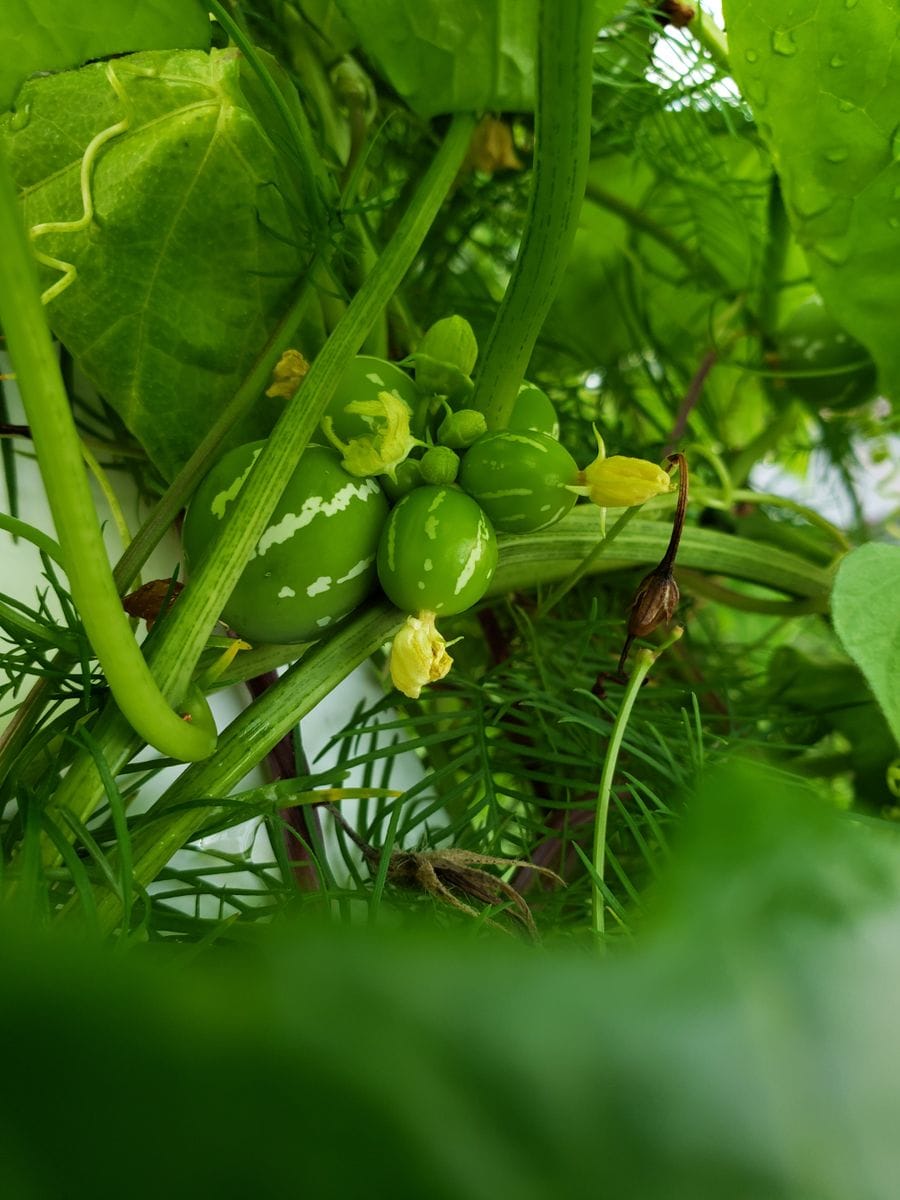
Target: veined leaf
point(54, 35)
point(824, 85)
point(195, 240)
point(865, 605)
point(467, 56)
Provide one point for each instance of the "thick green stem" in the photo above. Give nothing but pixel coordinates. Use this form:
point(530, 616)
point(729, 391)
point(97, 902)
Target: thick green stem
point(713, 40)
point(143, 703)
point(562, 149)
point(248, 740)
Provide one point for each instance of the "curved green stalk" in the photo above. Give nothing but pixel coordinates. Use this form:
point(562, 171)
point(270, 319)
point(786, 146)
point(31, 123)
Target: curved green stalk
point(562, 149)
point(713, 40)
point(58, 449)
point(170, 825)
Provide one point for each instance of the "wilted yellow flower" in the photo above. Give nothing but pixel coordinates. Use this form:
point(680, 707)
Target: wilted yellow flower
point(289, 373)
point(390, 441)
point(418, 655)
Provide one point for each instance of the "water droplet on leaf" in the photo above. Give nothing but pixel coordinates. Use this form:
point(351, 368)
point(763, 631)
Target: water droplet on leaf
point(783, 43)
point(837, 60)
point(834, 253)
point(837, 154)
point(895, 144)
point(850, 3)
point(20, 118)
point(751, 56)
point(846, 106)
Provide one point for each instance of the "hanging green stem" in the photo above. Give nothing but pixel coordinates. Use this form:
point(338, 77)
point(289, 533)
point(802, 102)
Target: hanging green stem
point(58, 449)
point(562, 148)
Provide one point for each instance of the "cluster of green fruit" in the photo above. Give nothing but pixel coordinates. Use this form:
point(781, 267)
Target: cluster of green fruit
point(408, 487)
point(399, 441)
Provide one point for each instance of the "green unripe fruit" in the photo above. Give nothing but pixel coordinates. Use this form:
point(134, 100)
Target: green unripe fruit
point(439, 465)
point(810, 339)
point(460, 429)
point(533, 410)
point(437, 552)
point(314, 562)
point(407, 476)
point(521, 480)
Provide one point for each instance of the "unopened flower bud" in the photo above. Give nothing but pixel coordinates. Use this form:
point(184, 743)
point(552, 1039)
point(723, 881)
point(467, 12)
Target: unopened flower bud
point(460, 429)
point(620, 482)
point(418, 655)
point(439, 465)
point(451, 340)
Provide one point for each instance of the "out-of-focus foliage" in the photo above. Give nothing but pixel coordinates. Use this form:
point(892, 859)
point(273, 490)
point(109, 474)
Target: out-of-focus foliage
point(739, 1050)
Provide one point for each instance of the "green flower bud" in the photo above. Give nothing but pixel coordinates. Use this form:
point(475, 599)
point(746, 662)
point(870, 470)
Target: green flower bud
point(439, 465)
point(445, 357)
point(460, 429)
point(451, 341)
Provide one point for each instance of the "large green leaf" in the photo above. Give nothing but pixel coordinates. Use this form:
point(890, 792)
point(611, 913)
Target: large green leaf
point(442, 58)
point(196, 242)
point(743, 1047)
point(865, 604)
point(53, 35)
point(824, 85)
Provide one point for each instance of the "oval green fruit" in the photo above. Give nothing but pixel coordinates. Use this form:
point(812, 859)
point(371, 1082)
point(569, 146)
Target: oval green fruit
point(314, 562)
point(521, 480)
point(364, 378)
point(810, 339)
point(437, 552)
point(533, 411)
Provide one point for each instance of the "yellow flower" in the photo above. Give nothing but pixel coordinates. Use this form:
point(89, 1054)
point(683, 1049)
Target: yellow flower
point(390, 442)
point(621, 482)
point(418, 655)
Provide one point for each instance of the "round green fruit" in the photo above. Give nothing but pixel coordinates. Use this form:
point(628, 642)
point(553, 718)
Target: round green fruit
point(533, 411)
point(364, 378)
point(521, 480)
point(437, 552)
point(314, 562)
point(811, 340)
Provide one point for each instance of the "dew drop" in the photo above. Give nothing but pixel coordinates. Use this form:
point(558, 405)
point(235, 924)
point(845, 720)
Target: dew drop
point(850, 3)
point(783, 43)
point(20, 118)
point(895, 144)
point(751, 56)
point(896, 195)
point(894, 222)
point(837, 154)
point(846, 106)
point(837, 60)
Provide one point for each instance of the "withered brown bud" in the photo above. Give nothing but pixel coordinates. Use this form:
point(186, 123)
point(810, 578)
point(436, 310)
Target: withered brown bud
point(655, 601)
point(674, 12)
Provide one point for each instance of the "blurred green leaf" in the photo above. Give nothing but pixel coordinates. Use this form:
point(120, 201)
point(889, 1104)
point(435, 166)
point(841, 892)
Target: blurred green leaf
point(470, 56)
point(54, 35)
point(740, 1049)
point(196, 243)
point(826, 94)
point(865, 604)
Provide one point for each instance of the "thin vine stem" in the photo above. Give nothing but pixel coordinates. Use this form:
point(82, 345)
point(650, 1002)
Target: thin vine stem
point(59, 452)
point(643, 661)
point(562, 150)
